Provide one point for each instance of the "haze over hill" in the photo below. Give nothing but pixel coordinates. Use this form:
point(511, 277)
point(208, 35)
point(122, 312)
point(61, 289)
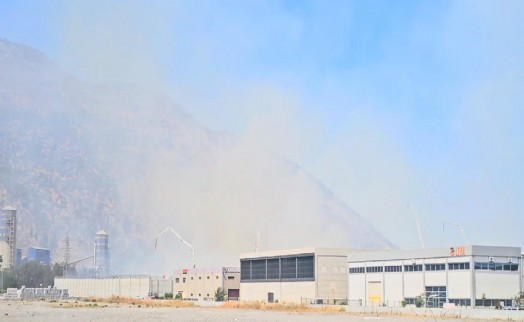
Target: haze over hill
point(76, 157)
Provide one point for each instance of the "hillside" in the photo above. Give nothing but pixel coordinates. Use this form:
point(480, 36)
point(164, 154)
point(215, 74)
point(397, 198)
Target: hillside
point(77, 157)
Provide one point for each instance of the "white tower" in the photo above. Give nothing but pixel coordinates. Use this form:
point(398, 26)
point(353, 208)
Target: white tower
point(8, 236)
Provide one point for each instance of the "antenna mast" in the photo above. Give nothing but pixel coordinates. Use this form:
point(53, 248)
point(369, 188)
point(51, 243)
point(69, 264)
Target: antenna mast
point(417, 222)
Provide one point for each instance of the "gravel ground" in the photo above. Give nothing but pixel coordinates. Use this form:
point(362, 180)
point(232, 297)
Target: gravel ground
point(42, 311)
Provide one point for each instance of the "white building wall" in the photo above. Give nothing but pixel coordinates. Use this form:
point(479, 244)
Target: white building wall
point(435, 278)
point(283, 291)
point(393, 287)
point(357, 287)
point(413, 284)
point(459, 284)
point(496, 285)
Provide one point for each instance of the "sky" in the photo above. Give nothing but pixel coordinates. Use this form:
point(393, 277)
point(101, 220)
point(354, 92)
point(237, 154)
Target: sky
point(389, 104)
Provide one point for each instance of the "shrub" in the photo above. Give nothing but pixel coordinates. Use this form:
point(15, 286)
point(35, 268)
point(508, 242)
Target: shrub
point(169, 296)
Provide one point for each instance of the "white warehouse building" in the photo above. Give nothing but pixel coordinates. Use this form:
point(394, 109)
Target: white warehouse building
point(472, 276)
point(298, 275)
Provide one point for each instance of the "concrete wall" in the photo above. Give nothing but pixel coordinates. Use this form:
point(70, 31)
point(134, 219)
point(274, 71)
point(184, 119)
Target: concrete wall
point(131, 286)
point(332, 277)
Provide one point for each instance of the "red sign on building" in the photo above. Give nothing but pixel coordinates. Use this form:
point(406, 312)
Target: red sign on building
point(457, 251)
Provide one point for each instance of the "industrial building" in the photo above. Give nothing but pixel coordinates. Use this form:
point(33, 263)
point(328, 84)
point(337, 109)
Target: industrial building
point(471, 276)
point(38, 254)
point(307, 275)
point(138, 286)
point(8, 237)
point(202, 283)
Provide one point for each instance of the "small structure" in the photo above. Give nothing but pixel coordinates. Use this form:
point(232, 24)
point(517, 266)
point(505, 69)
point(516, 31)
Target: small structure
point(202, 283)
point(306, 275)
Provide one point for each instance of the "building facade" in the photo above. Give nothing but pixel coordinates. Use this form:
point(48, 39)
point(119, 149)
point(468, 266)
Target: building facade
point(202, 283)
point(40, 255)
point(307, 275)
point(8, 237)
point(471, 276)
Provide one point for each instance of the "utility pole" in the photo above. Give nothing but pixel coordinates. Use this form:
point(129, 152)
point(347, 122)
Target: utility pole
point(67, 254)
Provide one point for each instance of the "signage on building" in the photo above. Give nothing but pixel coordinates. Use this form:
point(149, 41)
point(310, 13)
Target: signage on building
point(457, 251)
point(231, 269)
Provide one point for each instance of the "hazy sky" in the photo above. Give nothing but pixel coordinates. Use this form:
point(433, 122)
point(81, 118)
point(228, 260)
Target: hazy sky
point(386, 102)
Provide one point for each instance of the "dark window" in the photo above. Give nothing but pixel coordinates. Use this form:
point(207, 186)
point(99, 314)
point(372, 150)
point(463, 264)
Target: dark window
point(458, 266)
point(356, 270)
point(273, 269)
point(413, 268)
point(230, 277)
point(289, 267)
point(493, 303)
point(513, 267)
point(177, 280)
point(460, 302)
point(374, 269)
point(306, 267)
point(393, 269)
point(435, 296)
point(258, 269)
point(435, 267)
point(245, 270)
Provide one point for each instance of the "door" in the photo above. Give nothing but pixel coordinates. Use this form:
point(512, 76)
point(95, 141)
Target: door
point(270, 297)
point(374, 293)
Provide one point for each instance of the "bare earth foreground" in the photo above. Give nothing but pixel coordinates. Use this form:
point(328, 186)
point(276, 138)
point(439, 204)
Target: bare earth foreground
point(44, 311)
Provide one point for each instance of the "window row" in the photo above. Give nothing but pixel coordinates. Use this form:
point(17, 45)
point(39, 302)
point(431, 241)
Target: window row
point(356, 270)
point(458, 266)
point(415, 268)
point(389, 269)
point(435, 267)
point(302, 267)
point(497, 266)
point(374, 269)
point(177, 280)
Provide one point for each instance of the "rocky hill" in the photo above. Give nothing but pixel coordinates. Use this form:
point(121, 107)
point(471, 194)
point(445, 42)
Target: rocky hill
point(77, 157)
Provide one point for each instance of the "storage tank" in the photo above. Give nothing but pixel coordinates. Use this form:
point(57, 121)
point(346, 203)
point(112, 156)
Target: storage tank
point(102, 264)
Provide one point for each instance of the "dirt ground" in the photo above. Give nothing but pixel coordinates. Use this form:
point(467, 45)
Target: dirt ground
point(68, 311)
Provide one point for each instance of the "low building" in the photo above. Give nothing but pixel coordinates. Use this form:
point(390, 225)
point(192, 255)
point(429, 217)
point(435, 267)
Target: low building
point(471, 276)
point(307, 275)
point(38, 254)
point(202, 283)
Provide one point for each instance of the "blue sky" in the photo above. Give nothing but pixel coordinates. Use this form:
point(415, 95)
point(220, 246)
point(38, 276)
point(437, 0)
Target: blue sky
point(385, 102)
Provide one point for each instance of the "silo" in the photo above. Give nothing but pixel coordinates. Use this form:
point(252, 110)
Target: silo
point(8, 235)
point(101, 253)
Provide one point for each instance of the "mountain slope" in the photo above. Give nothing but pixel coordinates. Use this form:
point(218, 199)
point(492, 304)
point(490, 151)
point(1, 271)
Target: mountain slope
point(77, 157)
